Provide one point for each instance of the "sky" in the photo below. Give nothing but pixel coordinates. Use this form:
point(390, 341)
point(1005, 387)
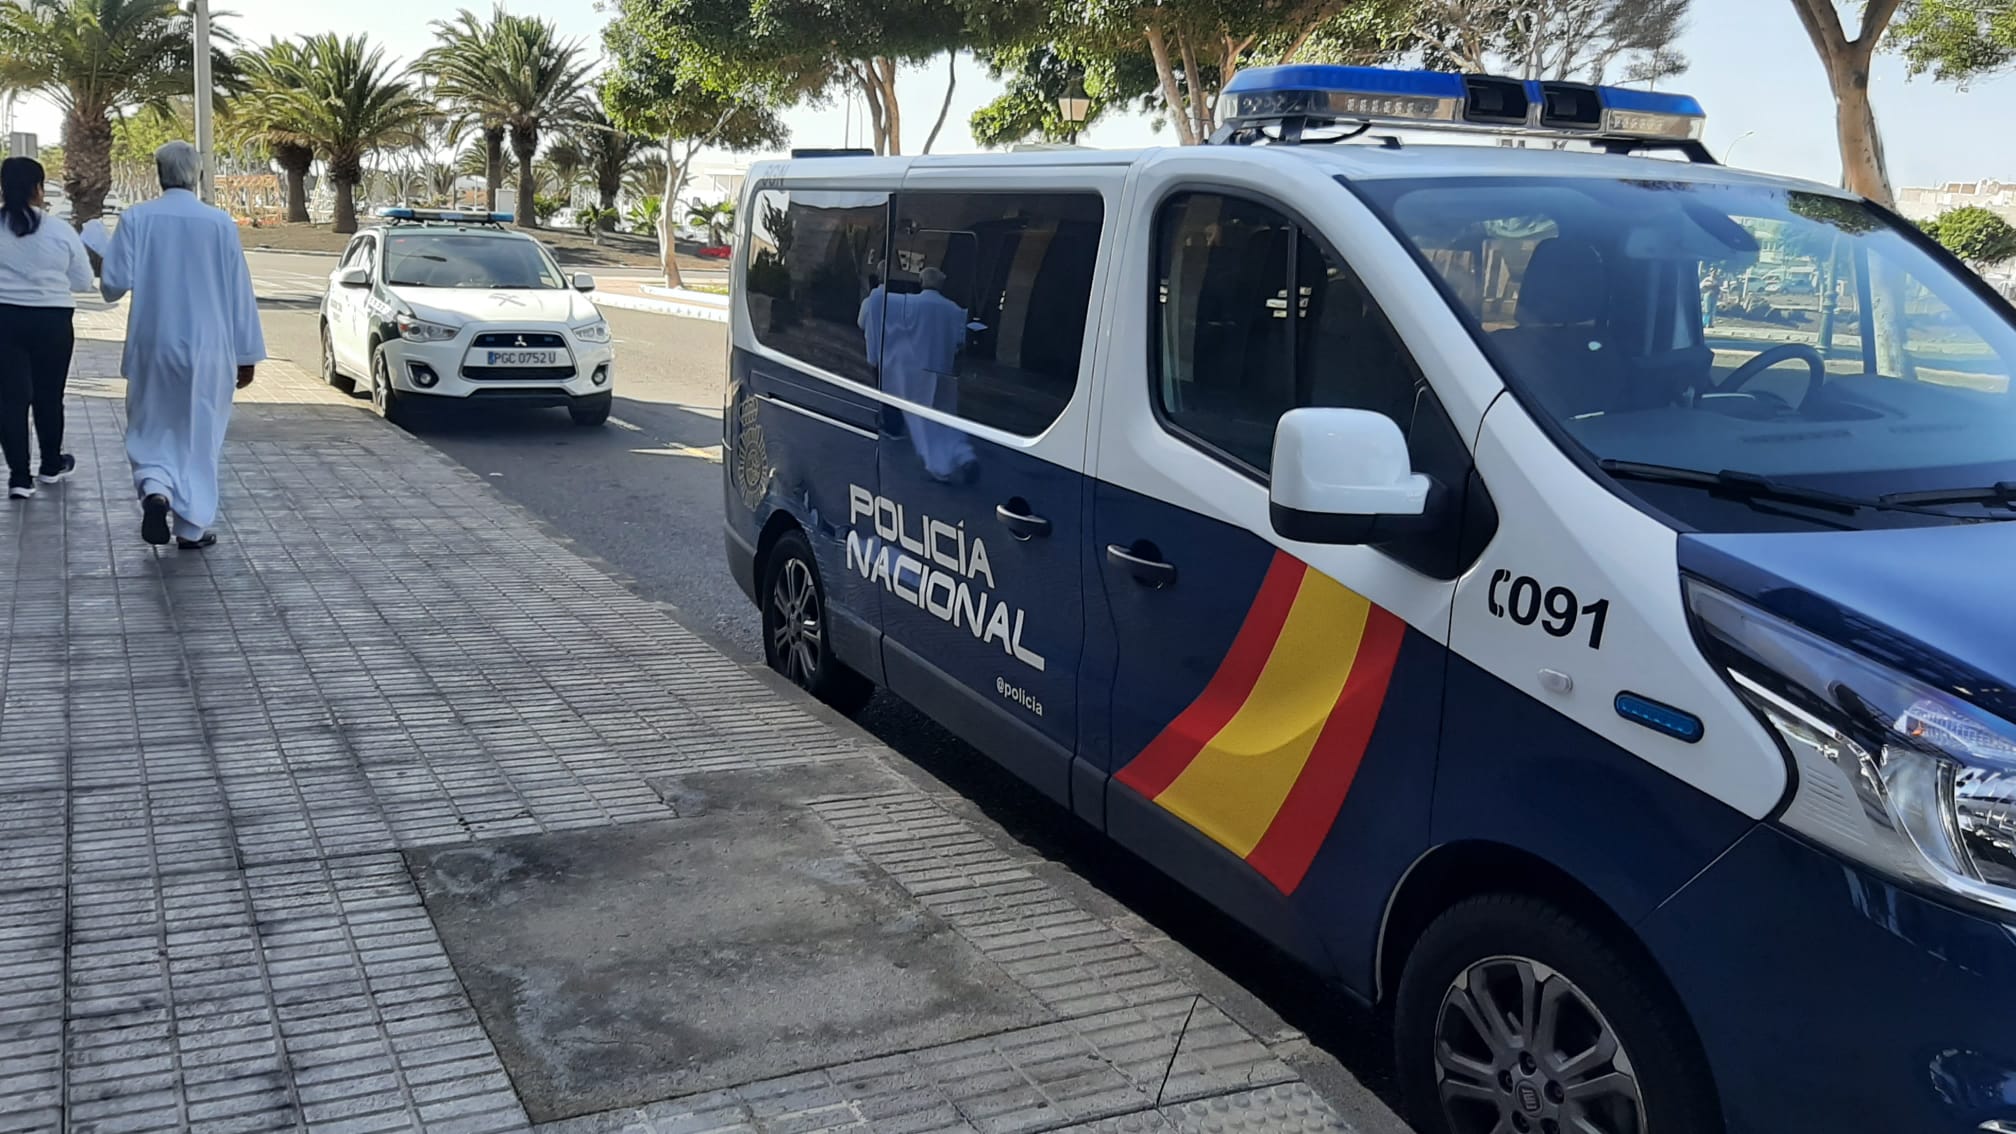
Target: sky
point(1753, 70)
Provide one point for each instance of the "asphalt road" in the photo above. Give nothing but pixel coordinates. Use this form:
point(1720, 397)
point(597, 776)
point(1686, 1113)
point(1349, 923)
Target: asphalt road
point(643, 494)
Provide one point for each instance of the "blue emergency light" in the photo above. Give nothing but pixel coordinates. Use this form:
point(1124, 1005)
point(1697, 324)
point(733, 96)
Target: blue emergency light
point(1296, 96)
point(444, 216)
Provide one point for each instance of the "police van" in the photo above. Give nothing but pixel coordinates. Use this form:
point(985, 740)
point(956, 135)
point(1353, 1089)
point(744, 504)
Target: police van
point(1450, 560)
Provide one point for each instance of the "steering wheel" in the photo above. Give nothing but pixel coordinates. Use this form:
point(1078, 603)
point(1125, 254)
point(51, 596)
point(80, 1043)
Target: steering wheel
point(1748, 372)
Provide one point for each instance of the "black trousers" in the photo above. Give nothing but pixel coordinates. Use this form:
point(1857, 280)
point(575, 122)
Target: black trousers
point(35, 346)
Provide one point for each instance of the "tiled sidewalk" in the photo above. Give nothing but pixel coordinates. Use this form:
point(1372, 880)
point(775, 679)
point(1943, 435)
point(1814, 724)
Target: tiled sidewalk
point(212, 765)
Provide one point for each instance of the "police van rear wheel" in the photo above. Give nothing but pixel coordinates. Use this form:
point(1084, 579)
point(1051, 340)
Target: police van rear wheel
point(796, 630)
point(1514, 1015)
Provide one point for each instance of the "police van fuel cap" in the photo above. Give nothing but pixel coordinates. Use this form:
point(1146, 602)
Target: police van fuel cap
point(1301, 95)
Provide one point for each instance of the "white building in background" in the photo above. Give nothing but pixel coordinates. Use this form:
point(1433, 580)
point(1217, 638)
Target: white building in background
point(713, 181)
point(1926, 203)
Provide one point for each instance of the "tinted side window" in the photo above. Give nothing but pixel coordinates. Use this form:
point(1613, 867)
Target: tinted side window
point(813, 259)
point(1234, 353)
point(986, 302)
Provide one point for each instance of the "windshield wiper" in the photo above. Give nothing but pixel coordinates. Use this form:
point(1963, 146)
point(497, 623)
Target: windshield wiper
point(2003, 493)
point(1735, 484)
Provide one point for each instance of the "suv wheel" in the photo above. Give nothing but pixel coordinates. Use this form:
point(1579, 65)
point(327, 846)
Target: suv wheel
point(330, 373)
point(390, 404)
point(796, 630)
point(1515, 1016)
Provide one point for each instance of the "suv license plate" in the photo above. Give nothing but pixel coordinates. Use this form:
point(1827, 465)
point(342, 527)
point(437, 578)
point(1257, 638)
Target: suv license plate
point(524, 358)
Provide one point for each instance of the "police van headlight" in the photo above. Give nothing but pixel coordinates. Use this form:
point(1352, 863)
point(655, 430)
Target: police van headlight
point(596, 332)
point(420, 330)
point(1892, 773)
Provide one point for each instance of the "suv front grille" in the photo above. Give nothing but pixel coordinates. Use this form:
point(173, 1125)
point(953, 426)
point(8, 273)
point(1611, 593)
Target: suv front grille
point(517, 340)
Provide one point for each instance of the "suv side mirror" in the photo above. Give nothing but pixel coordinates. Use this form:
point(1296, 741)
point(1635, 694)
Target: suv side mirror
point(354, 277)
point(584, 282)
point(1336, 471)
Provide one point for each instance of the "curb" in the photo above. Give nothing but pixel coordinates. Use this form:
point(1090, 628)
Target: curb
point(688, 310)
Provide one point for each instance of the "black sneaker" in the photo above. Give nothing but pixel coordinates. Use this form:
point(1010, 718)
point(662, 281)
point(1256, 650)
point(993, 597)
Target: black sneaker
point(65, 465)
point(20, 491)
point(154, 520)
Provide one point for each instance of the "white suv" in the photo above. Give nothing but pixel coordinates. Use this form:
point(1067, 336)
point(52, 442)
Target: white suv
point(447, 306)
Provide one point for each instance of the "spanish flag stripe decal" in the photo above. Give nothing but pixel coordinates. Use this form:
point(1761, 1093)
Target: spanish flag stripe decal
point(1171, 751)
point(1235, 787)
point(1305, 818)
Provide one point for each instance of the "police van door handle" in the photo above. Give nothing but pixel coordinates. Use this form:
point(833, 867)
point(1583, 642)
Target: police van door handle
point(1019, 520)
point(1140, 561)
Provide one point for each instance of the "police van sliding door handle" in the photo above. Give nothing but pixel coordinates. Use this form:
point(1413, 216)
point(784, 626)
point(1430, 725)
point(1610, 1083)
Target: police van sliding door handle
point(1140, 561)
point(1019, 520)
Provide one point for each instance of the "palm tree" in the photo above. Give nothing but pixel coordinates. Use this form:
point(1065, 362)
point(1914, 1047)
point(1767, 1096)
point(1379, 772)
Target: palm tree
point(525, 78)
point(459, 63)
point(265, 115)
point(96, 59)
point(718, 218)
point(566, 160)
point(611, 156)
point(352, 102)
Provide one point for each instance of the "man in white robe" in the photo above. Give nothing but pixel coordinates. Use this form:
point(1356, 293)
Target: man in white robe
point(193, 328)
point(916, 340)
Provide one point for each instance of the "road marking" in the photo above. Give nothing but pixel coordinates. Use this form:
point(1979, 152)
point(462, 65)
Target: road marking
point(708, 453)
point(621, 424)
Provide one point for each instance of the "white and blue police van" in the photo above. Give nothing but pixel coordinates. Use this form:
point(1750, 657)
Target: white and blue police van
point(1563, 596)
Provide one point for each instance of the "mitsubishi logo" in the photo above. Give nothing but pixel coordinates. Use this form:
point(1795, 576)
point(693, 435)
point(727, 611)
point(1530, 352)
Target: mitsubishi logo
point(520, 342)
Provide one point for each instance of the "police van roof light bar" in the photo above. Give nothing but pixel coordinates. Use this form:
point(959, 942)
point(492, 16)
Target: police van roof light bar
point(1291, 99)
point(442, 216)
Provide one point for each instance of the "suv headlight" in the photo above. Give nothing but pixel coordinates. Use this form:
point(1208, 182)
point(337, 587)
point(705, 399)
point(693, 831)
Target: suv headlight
point(596, 332)
point(1892, 773)
point(420, 330)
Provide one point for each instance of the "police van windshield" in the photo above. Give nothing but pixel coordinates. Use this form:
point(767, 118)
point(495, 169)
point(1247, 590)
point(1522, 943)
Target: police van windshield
point(1670, 328)
point(424, 259)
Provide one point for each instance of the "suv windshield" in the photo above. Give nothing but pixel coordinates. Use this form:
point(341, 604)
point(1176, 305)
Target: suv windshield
point(1670, 328)
point(432, 259)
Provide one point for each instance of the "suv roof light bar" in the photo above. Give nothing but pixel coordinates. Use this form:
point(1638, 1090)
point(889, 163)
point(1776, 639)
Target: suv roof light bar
point(1291, 99)
point(443, 216)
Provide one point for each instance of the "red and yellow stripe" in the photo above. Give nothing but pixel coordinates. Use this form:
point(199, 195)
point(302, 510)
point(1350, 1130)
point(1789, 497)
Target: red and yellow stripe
point(1261, 761)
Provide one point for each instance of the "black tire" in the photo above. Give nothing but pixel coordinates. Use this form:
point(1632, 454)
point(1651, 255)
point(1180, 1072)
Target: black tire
point(387, 401)
point(790, 580)
point(590, 412)
point(330, 374)
point(1608, 988)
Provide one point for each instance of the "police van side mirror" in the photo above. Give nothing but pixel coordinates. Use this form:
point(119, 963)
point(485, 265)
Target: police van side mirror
point(354, 277)
point(1338, 471)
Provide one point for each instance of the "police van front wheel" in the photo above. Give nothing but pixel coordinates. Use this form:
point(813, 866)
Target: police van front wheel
point(797, 631)
point(1515, 1015)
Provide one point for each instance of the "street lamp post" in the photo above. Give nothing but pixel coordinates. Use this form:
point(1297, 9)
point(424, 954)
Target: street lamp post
point(1729, 154)
point(1074, 107)
point(206, 181)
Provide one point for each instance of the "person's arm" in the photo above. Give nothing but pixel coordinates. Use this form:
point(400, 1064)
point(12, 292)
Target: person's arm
point(247, 337)
point(80, 260)
point(115, 275)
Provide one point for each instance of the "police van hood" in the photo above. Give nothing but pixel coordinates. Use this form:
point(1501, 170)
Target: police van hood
point(1938, 603)
point(457, 305)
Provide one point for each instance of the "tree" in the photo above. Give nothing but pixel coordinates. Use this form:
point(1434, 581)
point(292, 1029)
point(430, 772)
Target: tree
point(96, 60)
point(458, 64)
point(1586, 40)
point(1977, 235)
point(516, 73)
point(718, 218)
point(351, 101)
point(567, 161)
point(654, 90)
point(52, 159)
point(612, 154)
point(265, 115)
point(1863, 169)
point(1957, 40)
point(1175, 55)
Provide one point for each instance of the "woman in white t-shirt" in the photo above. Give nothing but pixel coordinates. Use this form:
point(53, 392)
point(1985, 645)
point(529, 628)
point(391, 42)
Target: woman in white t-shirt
point(42, 262)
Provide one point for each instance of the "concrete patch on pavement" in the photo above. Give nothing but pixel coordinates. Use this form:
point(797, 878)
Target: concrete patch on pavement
point(621, 966)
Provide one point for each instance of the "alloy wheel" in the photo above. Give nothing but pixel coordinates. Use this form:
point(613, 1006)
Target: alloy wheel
point(797, 631)
point(1519, 1049)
